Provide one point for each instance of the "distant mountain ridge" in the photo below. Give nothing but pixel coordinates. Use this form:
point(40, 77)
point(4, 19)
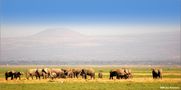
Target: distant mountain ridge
point(58, 32)
point(68, 46)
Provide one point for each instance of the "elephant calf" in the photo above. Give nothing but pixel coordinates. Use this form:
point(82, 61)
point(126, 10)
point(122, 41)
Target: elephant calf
point(100, 75)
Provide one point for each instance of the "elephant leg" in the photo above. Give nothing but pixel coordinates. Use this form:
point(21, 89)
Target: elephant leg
point(77, 75)
point(44, 76)
point(110, 77)
point(11, 77)
point(27, 77)
point(117, 77)
point(93, 77)
point(122, 77)
point(32, 77)
point(85, 76)
point(6, 78)
point(39, 77)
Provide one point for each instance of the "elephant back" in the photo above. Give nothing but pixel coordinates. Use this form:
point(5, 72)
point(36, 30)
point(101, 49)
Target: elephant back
point(56, 70)
point(31, 71)
point(120, 71)
point(76, 70)
point(88, 70)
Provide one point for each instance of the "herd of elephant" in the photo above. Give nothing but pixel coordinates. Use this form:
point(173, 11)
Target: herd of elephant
point(54, 73)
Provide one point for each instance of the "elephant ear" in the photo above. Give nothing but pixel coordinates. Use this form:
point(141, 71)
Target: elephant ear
point(46, 70)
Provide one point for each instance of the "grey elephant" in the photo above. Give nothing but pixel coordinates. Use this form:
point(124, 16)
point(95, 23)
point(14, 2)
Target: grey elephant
point(76, 72)
point(35, 72)
point(160, 73)
point(100, 75)
point(70, 74)
point(88, 72)
point(53, 75)
point(31, 73)
point(128, 73)
point(120, 74)
point(59, 72)
point(46, 72)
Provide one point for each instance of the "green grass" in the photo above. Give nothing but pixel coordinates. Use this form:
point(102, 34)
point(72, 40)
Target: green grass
point(171, 73)
point(89, 86)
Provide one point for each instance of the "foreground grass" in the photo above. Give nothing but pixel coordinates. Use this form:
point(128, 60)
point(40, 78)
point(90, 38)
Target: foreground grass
point(90, 86)
point(142, 80)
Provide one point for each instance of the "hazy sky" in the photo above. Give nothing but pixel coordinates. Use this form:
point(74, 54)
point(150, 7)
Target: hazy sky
point(94, 17)
point(147, 29)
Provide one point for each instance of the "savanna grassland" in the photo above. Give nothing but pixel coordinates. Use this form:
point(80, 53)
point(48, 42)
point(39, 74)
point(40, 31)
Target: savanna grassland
point(142, 79)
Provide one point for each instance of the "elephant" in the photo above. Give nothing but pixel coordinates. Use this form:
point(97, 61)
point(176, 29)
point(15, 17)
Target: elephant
point(128, 73)
point(100, 75)
point(9, 74)
point(36, 72)
point(31, 73)
point(76, 72)
point(120, 73)
point(156, 73)
point(113, 73)
point(70, 74)
point(13, 74)
point(46, 72)
point(160, 73)
point(90, 72)
point(18, 75)
point(59, 72)
point(53, 75)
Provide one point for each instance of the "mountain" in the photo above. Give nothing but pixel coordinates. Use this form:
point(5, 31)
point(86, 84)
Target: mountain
point(58, 33)
point(64, 46)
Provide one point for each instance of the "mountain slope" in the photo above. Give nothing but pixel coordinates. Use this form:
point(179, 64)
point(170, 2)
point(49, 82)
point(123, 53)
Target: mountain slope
point(67, 45)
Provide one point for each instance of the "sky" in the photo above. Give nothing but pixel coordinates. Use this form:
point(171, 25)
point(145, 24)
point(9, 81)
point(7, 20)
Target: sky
point(141, 29)
point(26, 17)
